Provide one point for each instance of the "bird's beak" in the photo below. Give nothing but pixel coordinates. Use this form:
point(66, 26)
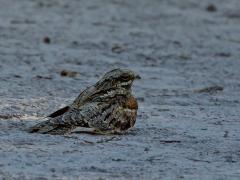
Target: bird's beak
point(137, 76)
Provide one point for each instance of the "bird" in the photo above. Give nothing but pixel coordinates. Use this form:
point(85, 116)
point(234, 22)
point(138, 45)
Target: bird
point(108, 107)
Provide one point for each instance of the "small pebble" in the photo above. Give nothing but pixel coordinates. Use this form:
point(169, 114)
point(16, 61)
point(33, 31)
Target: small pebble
point(211, 8)
point(46, 40)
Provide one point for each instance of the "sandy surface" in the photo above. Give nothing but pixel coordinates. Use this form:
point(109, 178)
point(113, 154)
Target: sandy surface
point(179, 48)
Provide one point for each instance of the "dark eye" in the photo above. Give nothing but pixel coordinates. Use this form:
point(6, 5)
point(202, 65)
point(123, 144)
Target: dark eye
point(125, 77)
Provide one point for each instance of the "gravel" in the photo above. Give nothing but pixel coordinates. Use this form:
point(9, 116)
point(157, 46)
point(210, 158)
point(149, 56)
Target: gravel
point(187, 53)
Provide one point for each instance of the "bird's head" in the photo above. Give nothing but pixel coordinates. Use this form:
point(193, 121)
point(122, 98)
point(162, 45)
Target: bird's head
point(122, 78)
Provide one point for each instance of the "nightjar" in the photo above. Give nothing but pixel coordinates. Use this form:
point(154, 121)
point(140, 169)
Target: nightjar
point(107, 107)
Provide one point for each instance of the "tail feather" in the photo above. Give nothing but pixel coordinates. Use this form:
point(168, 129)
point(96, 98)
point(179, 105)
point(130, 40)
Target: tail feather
point(60, 122)
point(50, 127)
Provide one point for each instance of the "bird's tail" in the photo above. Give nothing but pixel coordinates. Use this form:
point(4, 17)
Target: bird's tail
point(50, 126)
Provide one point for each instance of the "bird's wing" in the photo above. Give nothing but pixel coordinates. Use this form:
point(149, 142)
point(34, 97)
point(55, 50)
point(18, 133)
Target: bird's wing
point(59, 112)
point(102, 107)
point(99, 115)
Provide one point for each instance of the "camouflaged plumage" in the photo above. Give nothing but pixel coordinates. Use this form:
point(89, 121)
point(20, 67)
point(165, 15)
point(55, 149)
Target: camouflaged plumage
point(108, 107)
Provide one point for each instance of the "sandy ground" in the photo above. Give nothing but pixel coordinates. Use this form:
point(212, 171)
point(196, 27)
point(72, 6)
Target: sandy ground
point(187, 54)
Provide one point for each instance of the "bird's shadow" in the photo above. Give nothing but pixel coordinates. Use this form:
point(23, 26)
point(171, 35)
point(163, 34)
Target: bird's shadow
point(97, 133)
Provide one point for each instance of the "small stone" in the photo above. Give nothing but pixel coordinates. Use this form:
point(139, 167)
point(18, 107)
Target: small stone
point(46, 40)
point(211, 8)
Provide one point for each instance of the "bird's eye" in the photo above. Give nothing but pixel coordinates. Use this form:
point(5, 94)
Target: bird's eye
point(125, 78)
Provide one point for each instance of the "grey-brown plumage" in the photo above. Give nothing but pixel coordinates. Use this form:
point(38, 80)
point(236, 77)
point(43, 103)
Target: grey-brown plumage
point(108, 107)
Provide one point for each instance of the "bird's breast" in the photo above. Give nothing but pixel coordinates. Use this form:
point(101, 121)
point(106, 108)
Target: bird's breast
point(131, 103)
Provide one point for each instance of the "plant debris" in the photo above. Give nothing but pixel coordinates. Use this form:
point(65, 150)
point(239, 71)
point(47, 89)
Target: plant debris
point(117, 49)
point(198, 160)
point(67, 73)
point(211, 89)
point(223, 54)
point(43, 77)
point(170, 141)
